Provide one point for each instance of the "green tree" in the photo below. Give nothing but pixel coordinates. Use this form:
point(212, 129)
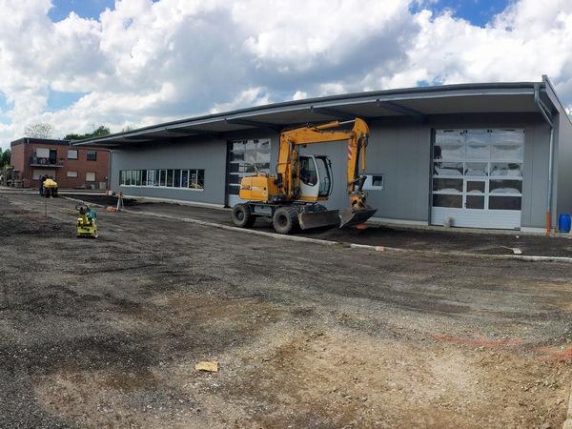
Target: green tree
point(99, 132)
point(5, 158)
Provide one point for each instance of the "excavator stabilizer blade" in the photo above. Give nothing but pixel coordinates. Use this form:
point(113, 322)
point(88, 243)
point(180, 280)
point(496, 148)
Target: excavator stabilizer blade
point(350, 217)
point(319, 219)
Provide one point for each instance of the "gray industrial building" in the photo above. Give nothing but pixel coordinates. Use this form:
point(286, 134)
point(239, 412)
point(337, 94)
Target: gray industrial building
point(490, 155)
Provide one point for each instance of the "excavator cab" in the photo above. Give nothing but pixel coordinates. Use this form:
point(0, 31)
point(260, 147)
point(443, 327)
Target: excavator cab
point(315, 177)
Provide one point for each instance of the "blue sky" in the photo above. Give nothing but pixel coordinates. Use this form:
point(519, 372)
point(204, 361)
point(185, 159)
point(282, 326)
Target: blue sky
point(84, 8)
point(477, 12)
point(181, 58)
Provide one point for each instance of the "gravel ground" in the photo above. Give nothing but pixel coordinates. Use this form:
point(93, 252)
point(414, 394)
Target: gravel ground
point(484, 242)
point(106, 332)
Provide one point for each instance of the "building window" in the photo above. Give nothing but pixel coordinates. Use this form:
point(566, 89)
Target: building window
point(90, 177)
point(197, 179)
point(71, 174)
point(177, 179)
point(91, 155)
point(373, 182)
point(150, 177)
point(72, 154)
point(183, 179)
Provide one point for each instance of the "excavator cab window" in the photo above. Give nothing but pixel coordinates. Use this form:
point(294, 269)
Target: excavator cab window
point(308, 174)
point(324, 167)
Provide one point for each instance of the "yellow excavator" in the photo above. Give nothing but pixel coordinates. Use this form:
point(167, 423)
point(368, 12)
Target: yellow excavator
point(292, 197)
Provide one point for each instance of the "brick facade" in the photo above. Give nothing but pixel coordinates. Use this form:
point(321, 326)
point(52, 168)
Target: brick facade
point(33, 158)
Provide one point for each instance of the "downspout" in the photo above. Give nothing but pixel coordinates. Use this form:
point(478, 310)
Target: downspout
point(544, 111)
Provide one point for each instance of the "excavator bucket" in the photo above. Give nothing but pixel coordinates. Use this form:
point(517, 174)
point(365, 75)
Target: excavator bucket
point(319, 219)
point(351, 217)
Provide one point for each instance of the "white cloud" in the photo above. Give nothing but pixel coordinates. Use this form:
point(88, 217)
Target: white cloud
point(300, 95)
point(145, 62)
point(248, 97)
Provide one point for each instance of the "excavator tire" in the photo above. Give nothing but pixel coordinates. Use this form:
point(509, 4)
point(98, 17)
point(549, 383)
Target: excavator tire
point(285, 220)
point(242, 216)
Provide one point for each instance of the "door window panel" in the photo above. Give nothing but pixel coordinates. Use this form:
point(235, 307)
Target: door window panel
point(505, 187)
point(263, 153)
point(450, 201)
point(505, 203)
point(448, 185)
point(508, 152)
point(475, 202)
point(449, 137)
point(250, 152)
point(504, 169)
point(448, 152)
point(508, 136)
point(478, 152)
point(475, 187)
point(476, 169)
point(448, 169)
point(237, 152)
point(475, 137)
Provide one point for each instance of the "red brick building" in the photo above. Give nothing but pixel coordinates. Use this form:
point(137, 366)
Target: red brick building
point(70, 166)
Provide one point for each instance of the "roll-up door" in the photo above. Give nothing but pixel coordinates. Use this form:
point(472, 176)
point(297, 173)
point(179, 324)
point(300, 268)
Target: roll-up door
point(246, 157)
point(477, 178)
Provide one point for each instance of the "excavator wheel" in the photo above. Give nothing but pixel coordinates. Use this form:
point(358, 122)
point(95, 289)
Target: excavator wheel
point(285, 220)
point(242, 216)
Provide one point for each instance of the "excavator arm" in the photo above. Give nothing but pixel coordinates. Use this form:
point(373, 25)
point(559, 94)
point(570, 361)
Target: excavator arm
point(356, 138)
point(292, 202)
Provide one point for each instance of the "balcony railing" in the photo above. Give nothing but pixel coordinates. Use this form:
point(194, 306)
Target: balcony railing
point(45, 162)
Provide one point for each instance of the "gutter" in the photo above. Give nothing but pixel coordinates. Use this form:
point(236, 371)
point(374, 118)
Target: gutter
point(548, 117)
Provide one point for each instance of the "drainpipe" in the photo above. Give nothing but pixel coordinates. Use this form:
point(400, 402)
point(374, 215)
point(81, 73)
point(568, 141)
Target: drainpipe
point(545, 113)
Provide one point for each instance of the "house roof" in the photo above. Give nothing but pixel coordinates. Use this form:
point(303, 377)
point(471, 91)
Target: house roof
point(34, 140)
point(415, 103)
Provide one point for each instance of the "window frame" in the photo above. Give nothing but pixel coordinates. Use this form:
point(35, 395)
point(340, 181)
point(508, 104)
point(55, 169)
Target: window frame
point(159, 178)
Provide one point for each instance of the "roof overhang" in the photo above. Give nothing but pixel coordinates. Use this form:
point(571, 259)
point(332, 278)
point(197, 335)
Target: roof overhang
point(417, 104)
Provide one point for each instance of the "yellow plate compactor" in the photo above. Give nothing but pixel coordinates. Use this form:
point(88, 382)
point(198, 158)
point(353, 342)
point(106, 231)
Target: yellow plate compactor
point(86, 226)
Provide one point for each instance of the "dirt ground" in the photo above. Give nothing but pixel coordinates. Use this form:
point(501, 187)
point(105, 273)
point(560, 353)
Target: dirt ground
point(105, 333)
point(432, 239)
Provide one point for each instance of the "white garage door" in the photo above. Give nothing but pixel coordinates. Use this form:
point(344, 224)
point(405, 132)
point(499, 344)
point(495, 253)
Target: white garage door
point(477, 178)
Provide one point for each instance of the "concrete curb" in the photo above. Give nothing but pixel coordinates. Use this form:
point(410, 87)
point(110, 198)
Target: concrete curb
point(526, 258)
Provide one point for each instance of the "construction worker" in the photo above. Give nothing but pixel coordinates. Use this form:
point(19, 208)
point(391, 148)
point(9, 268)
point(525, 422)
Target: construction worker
point(42, 180)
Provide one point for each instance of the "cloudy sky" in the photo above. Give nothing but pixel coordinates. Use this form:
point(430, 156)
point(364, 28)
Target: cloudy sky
point(78, 64)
